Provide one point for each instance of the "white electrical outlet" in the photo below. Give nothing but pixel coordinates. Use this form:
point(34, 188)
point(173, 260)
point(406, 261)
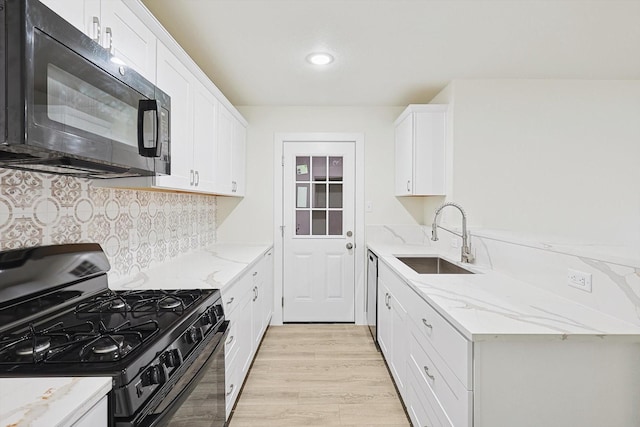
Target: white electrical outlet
point(579, 279)
point(455, 242)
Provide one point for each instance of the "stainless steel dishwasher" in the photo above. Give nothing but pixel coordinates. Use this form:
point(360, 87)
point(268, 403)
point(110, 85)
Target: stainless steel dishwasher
point(372, 294)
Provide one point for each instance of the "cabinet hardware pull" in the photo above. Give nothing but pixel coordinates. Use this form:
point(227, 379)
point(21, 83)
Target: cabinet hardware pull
point(408, 186)
point(197, 181)
point(231, 300)
point(230, 390)
point(427, 323)
point(231, 338)
point(96, 29)
point(109, 43)
point(426, 371)
point(255, 273)
point(255, 293)
point(191, 177)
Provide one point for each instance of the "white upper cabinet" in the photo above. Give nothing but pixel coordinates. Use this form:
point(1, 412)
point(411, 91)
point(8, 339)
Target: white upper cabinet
point(205, 109)
point(129, 39)
point(231, 152)
point(112, 24)
point(78, 13)
point(238, 157)
point(208, 135)
point(224, 150)
point(193, 127)
point(420, 138)
point(176, 80)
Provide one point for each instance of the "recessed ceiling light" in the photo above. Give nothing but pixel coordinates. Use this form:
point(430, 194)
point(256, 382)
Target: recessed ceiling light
point(320, 58)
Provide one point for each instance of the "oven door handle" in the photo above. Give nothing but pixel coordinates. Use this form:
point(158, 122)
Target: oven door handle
point(162, 418)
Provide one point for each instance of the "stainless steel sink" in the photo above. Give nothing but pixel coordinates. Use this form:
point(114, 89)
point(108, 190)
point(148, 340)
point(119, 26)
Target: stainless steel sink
point(433, 265)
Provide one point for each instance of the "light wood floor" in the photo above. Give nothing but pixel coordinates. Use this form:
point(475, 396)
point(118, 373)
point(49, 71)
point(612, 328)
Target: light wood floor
point(318, 375)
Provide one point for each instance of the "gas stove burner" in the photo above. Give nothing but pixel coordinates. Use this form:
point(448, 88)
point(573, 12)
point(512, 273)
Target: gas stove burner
point(117, 304)
point(169, 303)
point(108, 344)
point(30, 347)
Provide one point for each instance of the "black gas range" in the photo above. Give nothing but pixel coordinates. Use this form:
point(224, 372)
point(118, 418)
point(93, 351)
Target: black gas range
point(58, 318)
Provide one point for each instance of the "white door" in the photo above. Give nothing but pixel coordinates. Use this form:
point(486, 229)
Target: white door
point(319, 219)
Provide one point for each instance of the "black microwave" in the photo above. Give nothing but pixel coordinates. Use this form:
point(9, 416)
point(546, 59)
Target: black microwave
point(69, 107)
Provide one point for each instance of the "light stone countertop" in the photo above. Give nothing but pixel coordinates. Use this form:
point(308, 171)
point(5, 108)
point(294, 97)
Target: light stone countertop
point(493, 306)
point(49, 402)
point(213, 267)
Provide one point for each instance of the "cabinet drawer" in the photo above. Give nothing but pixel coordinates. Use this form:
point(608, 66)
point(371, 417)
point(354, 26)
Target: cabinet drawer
point(232, 383)
point(396, 284)
point(230, 345)
point(232, 294)
point(452, 347)
point(431, 371)
point(423, 407)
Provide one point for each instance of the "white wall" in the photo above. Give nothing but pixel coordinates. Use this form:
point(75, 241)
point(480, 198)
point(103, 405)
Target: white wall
point(251, 219)
point(547, 157)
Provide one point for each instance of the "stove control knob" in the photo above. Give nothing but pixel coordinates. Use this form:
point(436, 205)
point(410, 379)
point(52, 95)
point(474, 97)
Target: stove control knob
point(172, 358)
point(193, 335)
point(154, 375)
point(208, 318)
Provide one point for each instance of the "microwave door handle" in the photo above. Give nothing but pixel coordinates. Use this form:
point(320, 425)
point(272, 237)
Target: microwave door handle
point(148, 109)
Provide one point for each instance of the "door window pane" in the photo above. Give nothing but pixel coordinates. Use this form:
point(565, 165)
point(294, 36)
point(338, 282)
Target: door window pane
point(302, 195)
point(319, 195)
point(319, 223)
point(335, 168)
point(319, 168)
point(335, 195)
point(302, 223)
point(335, 223)
point(302, 168)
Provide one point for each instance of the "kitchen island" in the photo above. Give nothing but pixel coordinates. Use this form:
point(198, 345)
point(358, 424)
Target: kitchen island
point(486, 349)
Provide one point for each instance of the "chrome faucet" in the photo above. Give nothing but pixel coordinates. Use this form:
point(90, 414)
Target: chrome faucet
point(466, 255)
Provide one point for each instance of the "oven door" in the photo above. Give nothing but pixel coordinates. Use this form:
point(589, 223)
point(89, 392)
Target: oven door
point(198, 397)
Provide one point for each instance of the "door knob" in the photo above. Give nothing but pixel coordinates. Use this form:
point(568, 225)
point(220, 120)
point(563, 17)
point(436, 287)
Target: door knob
point(349, 245)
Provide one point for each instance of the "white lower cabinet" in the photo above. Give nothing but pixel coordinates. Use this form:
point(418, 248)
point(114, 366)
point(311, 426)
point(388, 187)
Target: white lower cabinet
point(248, 305)
point(498, 380)
point(392, 321)
point(97, 416)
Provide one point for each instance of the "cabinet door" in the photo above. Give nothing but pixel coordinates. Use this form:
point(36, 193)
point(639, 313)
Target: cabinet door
point(384, 328)
point(429, 151)
point(224, 144)
point(80, 14)
point(258, 307)
point(205, 110)
point(97, 416)
point(129, 38)
point(176, 80)
point(267, 286)
point(398, 363)
point(404, 156)
point(245, 339)
point(238, 155)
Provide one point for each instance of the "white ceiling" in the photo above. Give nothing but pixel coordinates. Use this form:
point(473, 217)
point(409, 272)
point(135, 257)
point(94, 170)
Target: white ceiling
point(396, 52)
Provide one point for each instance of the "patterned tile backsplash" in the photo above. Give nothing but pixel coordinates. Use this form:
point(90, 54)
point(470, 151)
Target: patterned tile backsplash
point(135, 228)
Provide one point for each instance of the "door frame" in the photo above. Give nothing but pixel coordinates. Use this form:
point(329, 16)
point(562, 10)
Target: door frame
point(278, 219)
